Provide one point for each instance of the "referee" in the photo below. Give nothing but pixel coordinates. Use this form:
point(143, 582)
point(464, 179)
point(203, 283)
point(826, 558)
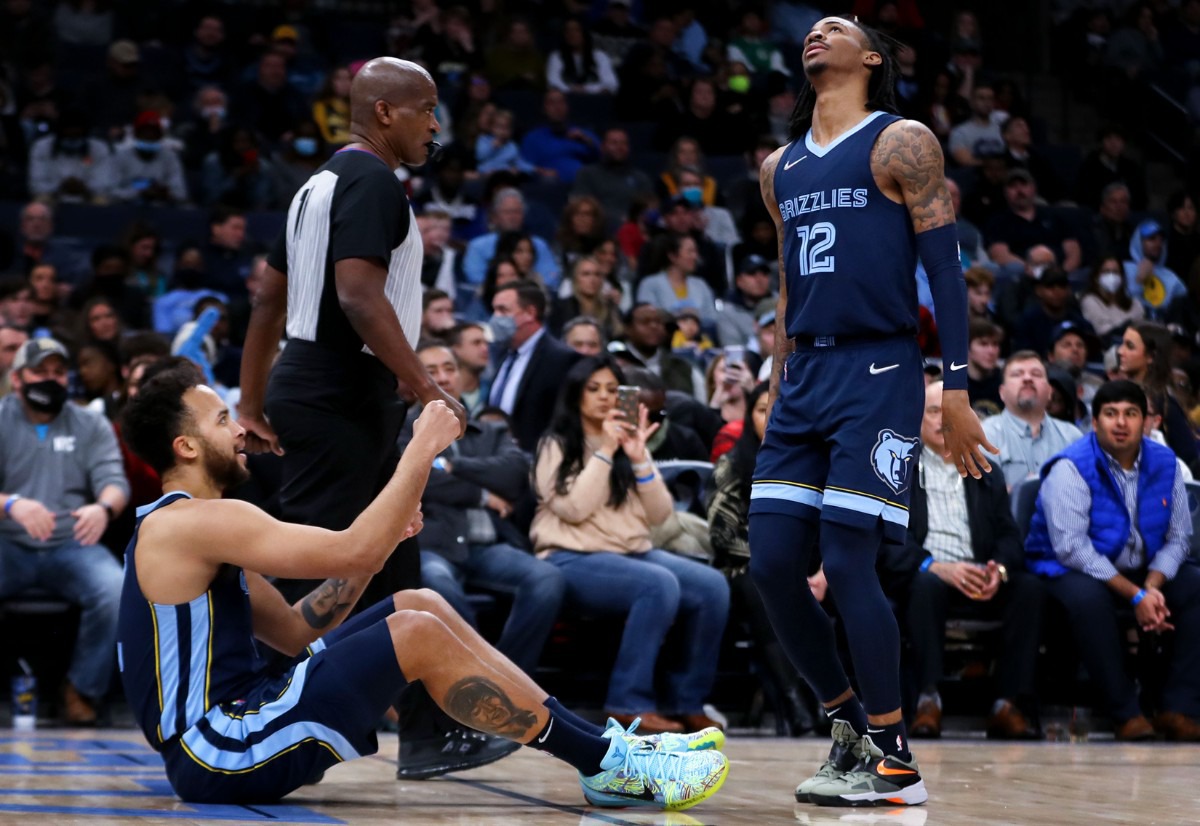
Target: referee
point(345, 275)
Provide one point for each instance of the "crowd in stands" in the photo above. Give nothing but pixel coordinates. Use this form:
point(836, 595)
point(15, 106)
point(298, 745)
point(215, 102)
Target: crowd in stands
point(593, 221)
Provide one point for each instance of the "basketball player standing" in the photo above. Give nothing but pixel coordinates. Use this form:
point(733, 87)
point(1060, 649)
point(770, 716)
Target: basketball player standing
point(857, 196)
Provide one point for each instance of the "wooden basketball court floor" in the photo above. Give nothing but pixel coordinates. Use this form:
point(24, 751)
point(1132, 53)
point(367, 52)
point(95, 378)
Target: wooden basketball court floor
point(112, 777)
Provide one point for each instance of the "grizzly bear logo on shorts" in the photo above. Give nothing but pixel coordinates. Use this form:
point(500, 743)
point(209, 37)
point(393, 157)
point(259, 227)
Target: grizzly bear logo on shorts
point(893, 457)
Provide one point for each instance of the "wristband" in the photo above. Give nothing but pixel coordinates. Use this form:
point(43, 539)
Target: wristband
point(641, 480)
point(602, 458)
point(640, 466)
point(107, 509)
point(1138, 597)
point(926, 565)
point(8, 505)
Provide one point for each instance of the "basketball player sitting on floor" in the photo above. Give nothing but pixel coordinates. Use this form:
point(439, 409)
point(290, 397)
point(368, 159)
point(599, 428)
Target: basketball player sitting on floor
point(196, 605)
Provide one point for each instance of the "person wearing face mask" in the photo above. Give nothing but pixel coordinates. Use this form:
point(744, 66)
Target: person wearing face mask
point(531, 362)
point(1106, 304)
point(63, 483)
point(69, 165)
point(148, 170)
point(301, 157)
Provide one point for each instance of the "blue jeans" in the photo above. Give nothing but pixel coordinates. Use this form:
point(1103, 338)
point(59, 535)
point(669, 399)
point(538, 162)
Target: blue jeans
point(537, 590)
point(87, 576)
point(653, 589)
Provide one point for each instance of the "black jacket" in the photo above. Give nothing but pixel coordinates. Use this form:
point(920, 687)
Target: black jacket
point(538, 391)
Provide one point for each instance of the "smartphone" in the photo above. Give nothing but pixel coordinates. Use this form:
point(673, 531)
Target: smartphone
point(627, 402)
point(735, 355)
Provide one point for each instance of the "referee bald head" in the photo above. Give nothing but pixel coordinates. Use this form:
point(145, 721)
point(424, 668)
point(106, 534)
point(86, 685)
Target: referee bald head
point(392, 105)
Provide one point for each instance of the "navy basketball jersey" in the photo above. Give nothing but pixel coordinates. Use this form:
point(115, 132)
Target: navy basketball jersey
point(849, 253)
point(177, 661)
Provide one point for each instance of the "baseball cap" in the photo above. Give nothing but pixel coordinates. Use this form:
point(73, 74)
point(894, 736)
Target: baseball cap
point(124, 51)
point(285, 32)
point(754, 263)
point(1149, 228)
point(147, 118)
point(1019, 173)
point(766, 319)
point(37, 350)
point(1053, 277)
point(1065, 328)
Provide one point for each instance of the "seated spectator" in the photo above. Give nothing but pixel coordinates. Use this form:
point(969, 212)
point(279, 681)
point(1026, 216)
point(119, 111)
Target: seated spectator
point(1025, 436)
point(444, 191)
point(744, 196)
point(70, 166)
point(727, 380)
point(986, 197)
point(751, 288)
point(100, 321)
point(114, 97)
point(437, 315)
point(718, 129)
point(645, 345)
point(468, 540)
point(557, 144)
point(300, 157)
point(517, 246)
point(1111, 229)
point(580, 231)
point(979, 136)
point(331, 109)
point(673, 440)
point(98, 364)
point(148, 171)
point(682, 217)
point(176, 306)
point(1183, 239)
point(1053, 306)
point(983, 376)
point(618, 275)
point(36, 243)
point(531, 372)
point(617, 32)
point(1015, 297)
point(1108, 164)
point(47, 297)
point(1069, 346)
point(1024, 224)
point(237, 173)
point(268, 104)
point(441, 266)
point(751, 48)
point(1144, 358)
point(227, 358)
point(599, 495)
point(58, 504)
point(964, 556)
point(144, 245)
point(228, 258)
point(515, 62)
point(584, 336)
point(203, 61)
point(715, 221)
point(589, 297)
point(500, 272)
point(495, 148)
point(980, 282)
point(1146, 278)
point(203, 128)
point(16, 302)
point(1020, 151)
point(1106, 303)
point(507, 215)
point(577, 66)
point(469, 343)
point(1111, 529)
point(12, 339)
point(110, 279)
point(686, 154)
point(676, 285)
point(613, 181)
point(689, 339)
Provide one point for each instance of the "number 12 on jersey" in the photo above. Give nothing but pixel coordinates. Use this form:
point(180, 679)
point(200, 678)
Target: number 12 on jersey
point(815, 241)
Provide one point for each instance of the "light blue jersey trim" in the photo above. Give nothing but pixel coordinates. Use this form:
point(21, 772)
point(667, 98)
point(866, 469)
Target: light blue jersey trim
point(282, 741)
point(868, 505)
point(198, 668)
point(145, 509)
point(168, 666)
point(792, 493)
point(255, 720)
point(821, 152)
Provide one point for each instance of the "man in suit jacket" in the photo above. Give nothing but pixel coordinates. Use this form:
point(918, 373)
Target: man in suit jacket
point(533, 362)
point(964, 556)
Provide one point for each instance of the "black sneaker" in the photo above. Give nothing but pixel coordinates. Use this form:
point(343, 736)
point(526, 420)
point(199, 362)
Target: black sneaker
point(451, 751)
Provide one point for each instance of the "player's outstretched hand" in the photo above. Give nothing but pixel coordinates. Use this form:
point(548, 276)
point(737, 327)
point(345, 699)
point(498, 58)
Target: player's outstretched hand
point(437, 426)
point(964, 435)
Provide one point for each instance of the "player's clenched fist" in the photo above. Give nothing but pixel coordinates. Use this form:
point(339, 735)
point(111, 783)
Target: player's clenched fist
point(437, 426)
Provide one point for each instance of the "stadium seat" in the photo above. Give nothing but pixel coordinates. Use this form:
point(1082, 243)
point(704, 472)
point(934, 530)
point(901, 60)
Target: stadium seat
point(686, 480)
point(1022, 500)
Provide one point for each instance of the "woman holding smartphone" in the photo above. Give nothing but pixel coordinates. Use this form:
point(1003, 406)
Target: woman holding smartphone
point(599, 494)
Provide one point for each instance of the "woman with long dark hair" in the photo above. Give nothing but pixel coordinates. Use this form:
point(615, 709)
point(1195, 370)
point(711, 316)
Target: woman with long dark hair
point(577, 66)
point(599, 494)
point(1145, 358)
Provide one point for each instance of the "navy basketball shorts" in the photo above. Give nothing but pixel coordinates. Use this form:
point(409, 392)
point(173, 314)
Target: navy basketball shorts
point(289, 729)
point(843, 439)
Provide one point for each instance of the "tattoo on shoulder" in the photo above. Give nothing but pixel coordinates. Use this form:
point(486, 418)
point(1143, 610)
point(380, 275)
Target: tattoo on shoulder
point(911, 155)
point(483, 705)
point(331, 598)
point(766, 178)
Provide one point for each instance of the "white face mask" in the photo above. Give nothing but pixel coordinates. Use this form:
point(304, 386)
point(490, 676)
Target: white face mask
point(1110, 282)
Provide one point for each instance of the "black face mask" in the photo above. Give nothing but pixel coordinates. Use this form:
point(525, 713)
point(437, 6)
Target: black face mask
point(46, 396)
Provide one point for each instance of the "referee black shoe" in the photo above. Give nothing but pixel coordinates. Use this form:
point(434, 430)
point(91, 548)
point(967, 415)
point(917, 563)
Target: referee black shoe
point(451, 751)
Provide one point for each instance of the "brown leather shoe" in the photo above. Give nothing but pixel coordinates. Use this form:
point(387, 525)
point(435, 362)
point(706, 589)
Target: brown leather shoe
point(77, 709)
point(1177, 727)
point(652, 723)
point(695, 722)
point(1008, 723)
point(1134, 730)
point(928, 723)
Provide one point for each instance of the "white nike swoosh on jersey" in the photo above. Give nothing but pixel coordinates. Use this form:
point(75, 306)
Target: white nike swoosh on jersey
point(957, 367)
point(875, 371)
point(549, 728)
point(788, 166)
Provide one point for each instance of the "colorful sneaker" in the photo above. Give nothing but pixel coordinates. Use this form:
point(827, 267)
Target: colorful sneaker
point(877, 779)
point(634, 773)
point(842, 758)
point(706, 738)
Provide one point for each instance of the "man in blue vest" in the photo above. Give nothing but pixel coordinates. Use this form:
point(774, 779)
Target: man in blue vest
point(1111, 528)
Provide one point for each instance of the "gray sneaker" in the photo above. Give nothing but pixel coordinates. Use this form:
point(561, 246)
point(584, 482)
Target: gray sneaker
point(877, 779)
point(842, 757)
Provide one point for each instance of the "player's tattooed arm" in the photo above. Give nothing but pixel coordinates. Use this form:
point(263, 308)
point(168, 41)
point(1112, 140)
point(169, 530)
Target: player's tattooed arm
point(330, 601)
point(481, 704)
point(783, 344)
point(912, 158)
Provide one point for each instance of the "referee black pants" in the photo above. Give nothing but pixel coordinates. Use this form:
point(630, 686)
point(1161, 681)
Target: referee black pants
point(338, 418)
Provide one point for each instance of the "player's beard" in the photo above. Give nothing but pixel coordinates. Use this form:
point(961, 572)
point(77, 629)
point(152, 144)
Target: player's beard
point(225, 470)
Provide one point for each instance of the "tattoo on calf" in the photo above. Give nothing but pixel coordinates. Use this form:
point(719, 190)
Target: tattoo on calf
point(331, 598)
point(483, 705)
